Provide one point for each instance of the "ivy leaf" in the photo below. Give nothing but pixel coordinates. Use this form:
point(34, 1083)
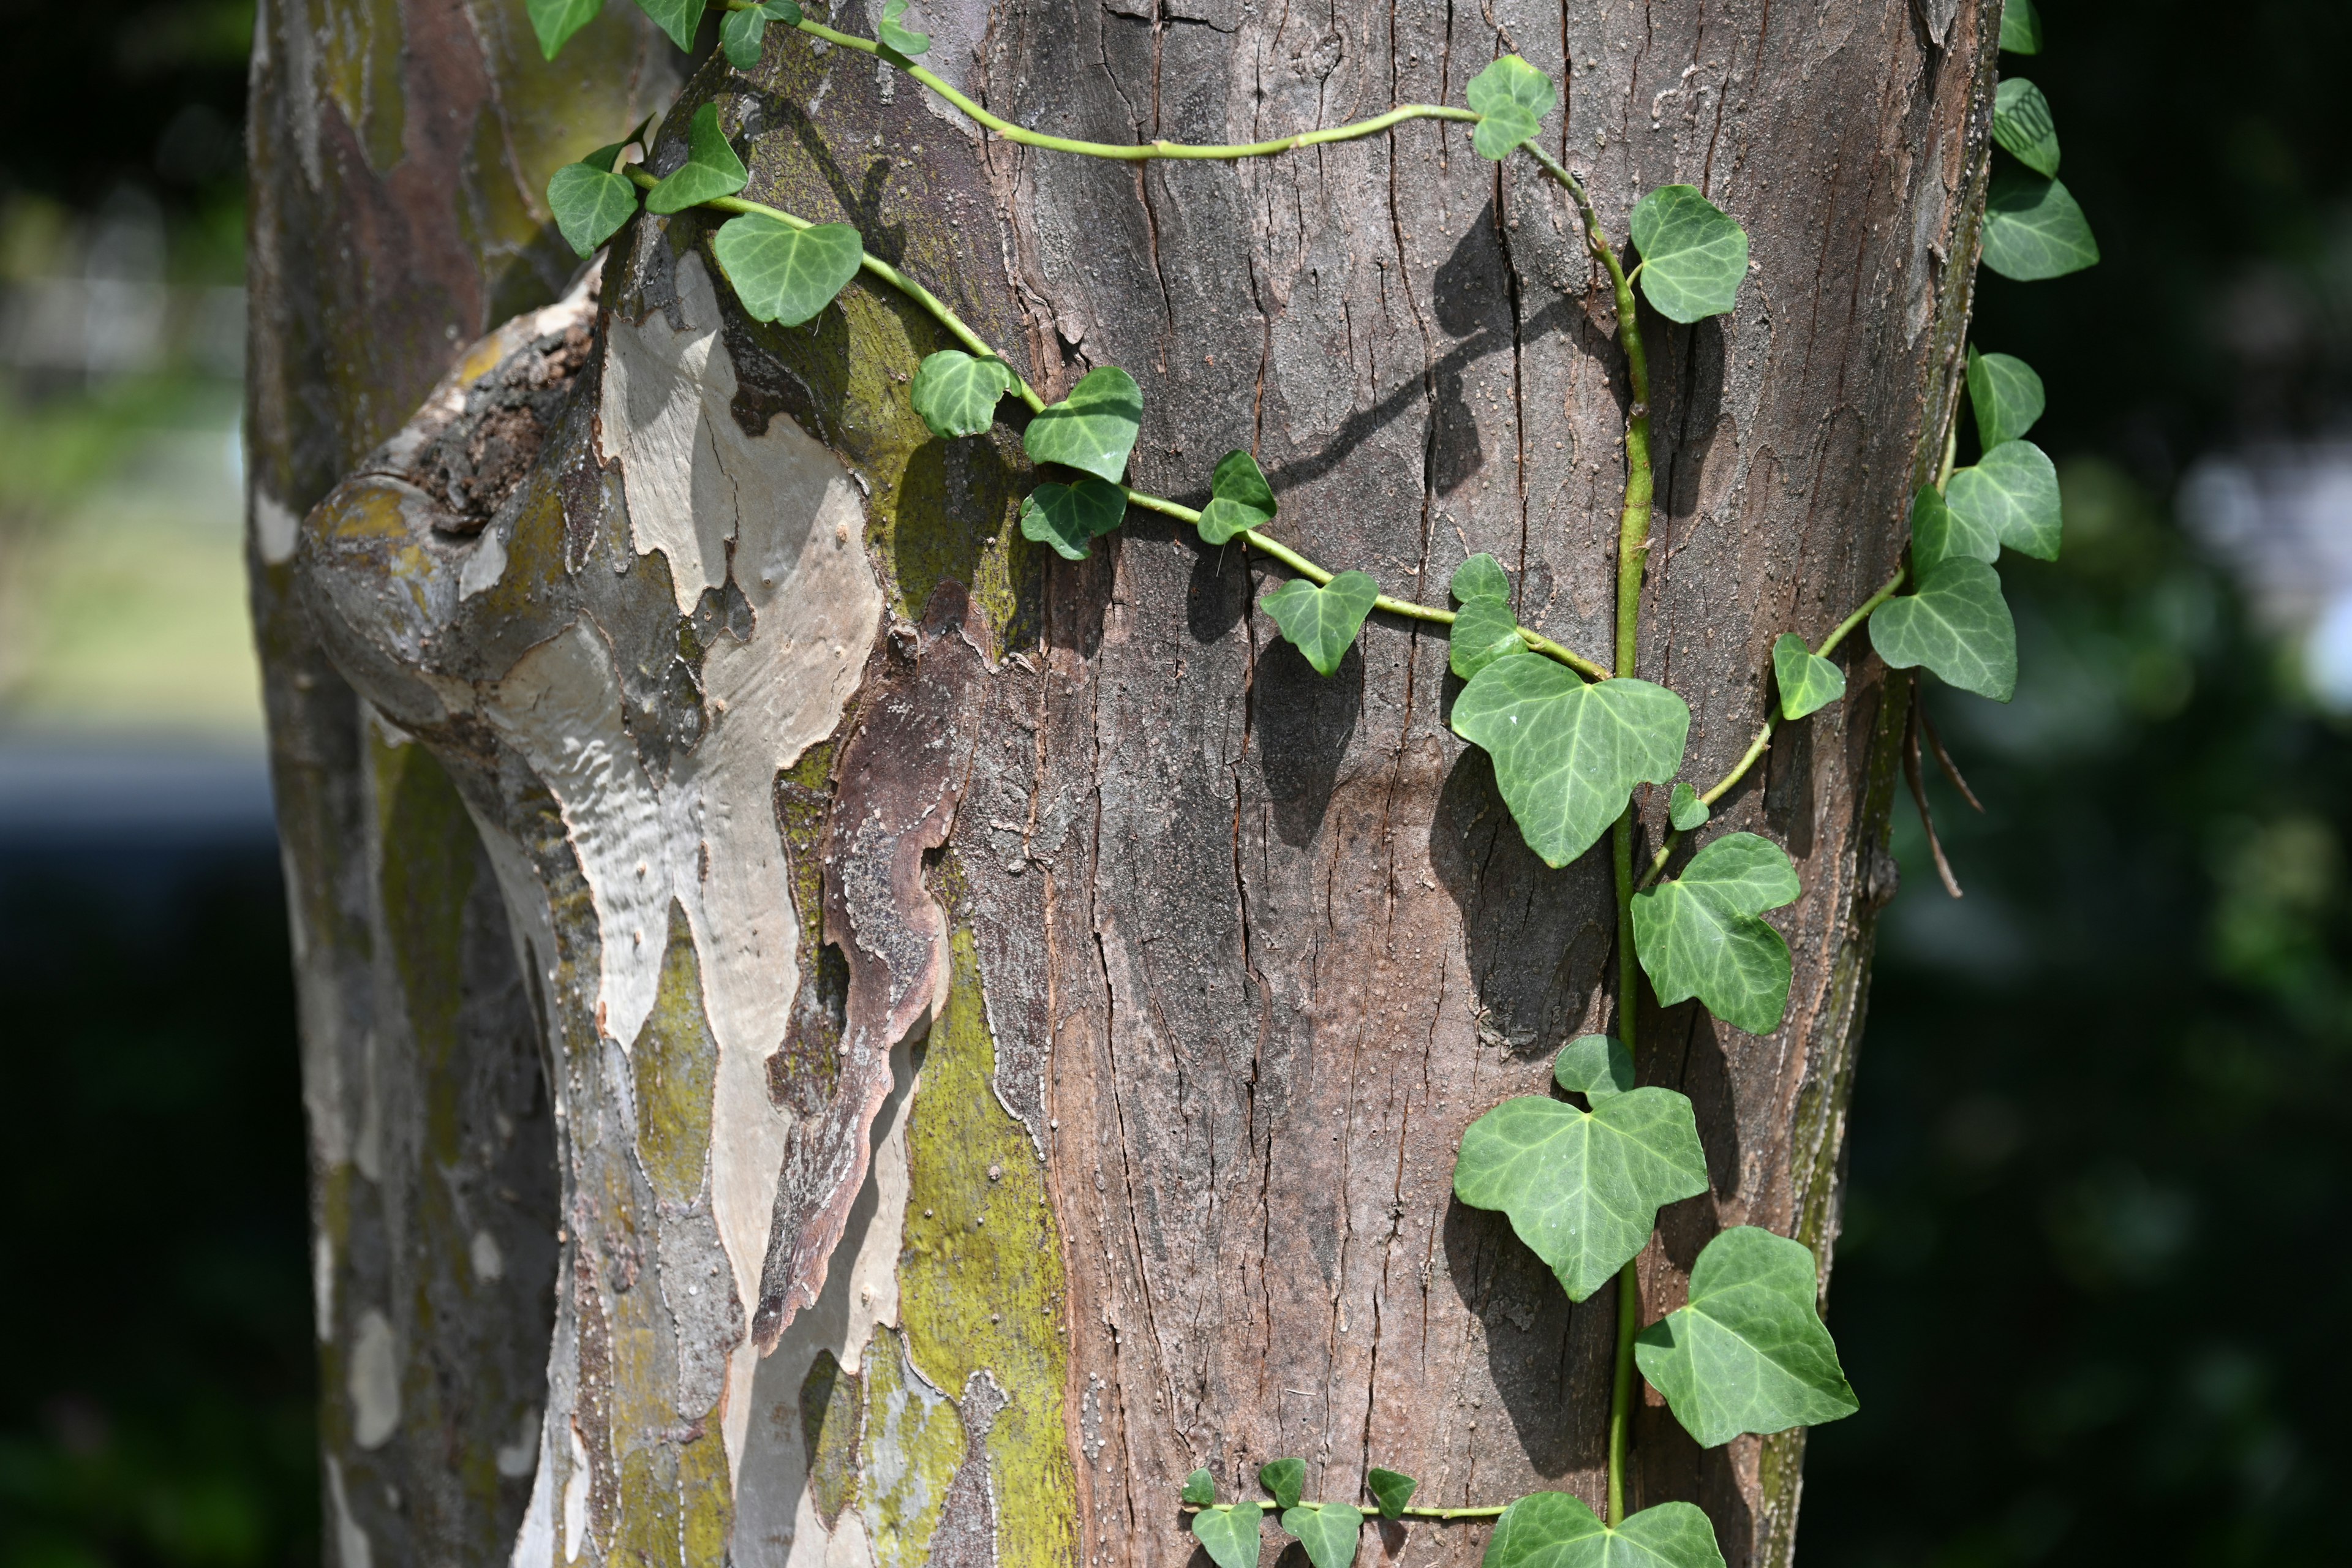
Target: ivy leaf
point(1094, 428)
point(2021, 27)
point(1329, 1531)
point(710, 170)
point(1693, 254)
point(1322, 622)
point(892, 36)
point(1685, 810)
point(956, 392)
point(1748, 1353)
point(1568, 755)
point(1957, 625)
point(1393, 1489)
point(1483, 631)
point(678, 18)
point(1481, 577)
point(1938, 535)
point(782, 274)
point(2011, 492)
point(1554, 1530)
point(1808, 682)
point(1200, 1489)
point(787, 11)
point(1239, 499)
point(1067, 515)
point(556, 20)
point(589, 203)
point(1699, 935)
point(1230, 1532)
point(1582, 1188)
point(1514, 97)
point(1282, 1479)
point(2006, 394)
point(2023, 123)
point(2034, 229)
point(741, 33)
point(1594, 1066)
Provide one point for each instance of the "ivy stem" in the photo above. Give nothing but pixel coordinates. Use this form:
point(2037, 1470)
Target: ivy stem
point(1373, 1510)
point(1621, 1385)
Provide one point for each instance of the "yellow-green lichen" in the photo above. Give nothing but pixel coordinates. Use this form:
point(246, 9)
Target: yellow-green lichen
point(830, 1418)
point(914, 1440)
point(676, 1061)
point(362, 47)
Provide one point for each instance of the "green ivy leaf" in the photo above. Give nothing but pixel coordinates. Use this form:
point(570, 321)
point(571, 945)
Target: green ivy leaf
point(1699, 935)
point(956, 392)
point(1594, 1066)
point(1685, 809)
point(1329, 1531)
point(1554, 1530)
point(2011, 492)
point(2033, 229)
point(2006, 394)
point(1583, 1188)
point(1282, 1479)
point(1094, 428)
point(1393, 1489)
point(1483, 631)
point(1481, 577)
point(1239, 499)
point(1957, 625)
point(1200, 1489)
point(1567, 755)
point(892, 36)
point(2021, 27)
point(784, 11)
point(740, 34)
point(1807, 683)
point(678, 18)
point(1230, 1532)
point(2023, 123)
point(782, 274)
point(1514, 97)
point(1693, 254)
point(1322, 623)
point(1938, 535)
point(1748, 1353)
point(1067, 515)
point(556, 20)
point(589, 203)
point(710, 170)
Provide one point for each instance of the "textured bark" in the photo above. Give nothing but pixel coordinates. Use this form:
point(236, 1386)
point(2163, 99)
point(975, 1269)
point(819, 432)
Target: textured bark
point(1006, 1023)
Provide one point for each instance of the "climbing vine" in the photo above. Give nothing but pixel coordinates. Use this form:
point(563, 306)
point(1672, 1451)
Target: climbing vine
point(1570, 739)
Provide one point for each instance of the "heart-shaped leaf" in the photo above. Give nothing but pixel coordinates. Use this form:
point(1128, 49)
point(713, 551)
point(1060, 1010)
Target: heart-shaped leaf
point(1554, 1530)
point(1594, 1066)
point(678, 18)
point(1329, 1531)
point(1282, 1479)
point(1322, 623)
point(1958, 624)
point(556, 20)
point(1230, 1531)
point(956, 392)
point(2033, 228)
point(1393, 1489)
point(589, 203)
point(1481, 577)
point(1699, 936)
point(784, 11)
point(2023, 123)
point(1693, 254)
point(1748, 1353)
point(740, 35)
point(1067, 515)
point(1807, 683)
point(1685, 810)
point(1200, 1489)
point(1514, 97)
point(1483, 631)
point(1938, 535)
point(782, 274)
point(892, 36)
point(2006, 394)
point(1094, 428)
point(1582, 1187)
point(711, 169)
point(1568, 755)
point(1239, 499)
point(2021, 27)
point(2012, 492)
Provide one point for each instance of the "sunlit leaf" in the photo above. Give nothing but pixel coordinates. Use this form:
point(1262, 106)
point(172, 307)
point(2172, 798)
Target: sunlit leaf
point(2021, 27)
point(2012, 492)
point(2024, 125)
point(589, 203)
point(1282, 1479)
point(1693, 254)
point(1567, 755)
point(782, 274)
point(1480, 578)
point(711, 169)
point(1957, 625)
point(1483, 631)
point(740, 35)
point(1330, 1531)
point(1239, 499)
point(956, 392)
point(1701, 935)
point(1200, 1489)
point(892, 36)
point(1685, 809)
point(1094, 428)
point(2006, 394)
point(1514, 97)
point(1807, 683)
point(1594, 1066)
point(1749, 1354)
point(556, 20)
point(678, 18)
point(1230, 1531)
point(1393, 1489)
point(2034, 229)
point(1938, 535)
point(1322, 623)
point(1067, 515)
point(1555, 1530)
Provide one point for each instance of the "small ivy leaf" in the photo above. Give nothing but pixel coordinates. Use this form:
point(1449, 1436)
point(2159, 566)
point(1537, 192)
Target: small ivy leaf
point(2023, 123)
point(678, 18)
point(1957, 625)
point(892, 36)
point(1568, 755)
point(1554, 1530)
point(1239, 499)
point(1282, 1479)
point(786, 275)
point(1480, 578)
point(1483, 631)
point(2021, 27)
point(1693, 254)
point(556, 20)
point(1685, 810)
point(2006, 394)
point(607, 158)
point(1808, 682)
point(956, 392)
point(2011, 492)
point(741, 33)
point(1393, 1489)
point(1514, 97)
point(2034, 229)
point(786, 11)
point(1700, 934)
point(1067, 515)
point(589, 203)
point(1594, 1066)
point(1582, 1188)
point(1230, 1531)
point(1329, 1531)
point(1322, 623)
point(1200, 1489)
point(1094, 428)
point(1748, 1353)
point(1938, 535)
point(710, 170)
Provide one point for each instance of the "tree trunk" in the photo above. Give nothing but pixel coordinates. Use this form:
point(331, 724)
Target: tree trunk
point(1006, 1024)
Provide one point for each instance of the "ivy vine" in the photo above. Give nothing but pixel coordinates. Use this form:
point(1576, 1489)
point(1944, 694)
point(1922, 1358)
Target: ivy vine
point(1572, 740)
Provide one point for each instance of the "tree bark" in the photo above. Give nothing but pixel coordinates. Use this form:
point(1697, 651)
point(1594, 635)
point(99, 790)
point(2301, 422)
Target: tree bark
point(1006, 1024)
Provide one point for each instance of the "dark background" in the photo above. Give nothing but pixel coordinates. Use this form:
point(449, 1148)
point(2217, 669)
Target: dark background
point(2093, 1286)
